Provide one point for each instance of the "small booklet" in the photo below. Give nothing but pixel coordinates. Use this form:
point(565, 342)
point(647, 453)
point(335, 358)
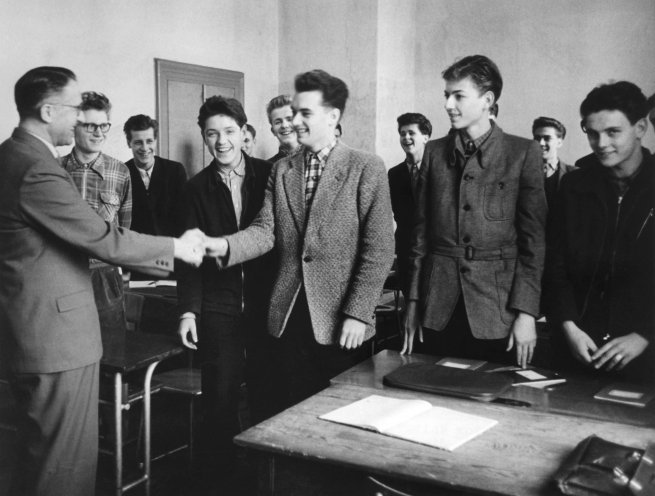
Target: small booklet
point(627, 394)
point(413, 420)
point(461, 363)
point(153, 284)
point(534, 377)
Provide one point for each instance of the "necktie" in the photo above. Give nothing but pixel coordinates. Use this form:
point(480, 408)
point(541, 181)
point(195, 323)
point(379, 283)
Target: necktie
point(414, 178)
point(469, 148)
point(146, 179)
point(311, 178)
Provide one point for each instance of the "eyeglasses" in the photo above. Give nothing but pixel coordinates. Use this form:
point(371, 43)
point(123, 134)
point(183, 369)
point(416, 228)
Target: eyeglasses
point(92, 128)
point(78, 108)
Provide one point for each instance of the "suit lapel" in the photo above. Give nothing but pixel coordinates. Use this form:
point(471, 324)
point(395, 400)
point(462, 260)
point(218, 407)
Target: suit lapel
point(294, 186)
point(328, 186)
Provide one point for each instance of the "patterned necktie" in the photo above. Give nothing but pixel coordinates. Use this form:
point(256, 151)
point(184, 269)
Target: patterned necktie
point(312, 174)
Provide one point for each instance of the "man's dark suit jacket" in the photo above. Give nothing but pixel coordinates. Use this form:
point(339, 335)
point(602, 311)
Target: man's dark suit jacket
point(208, 206)
point(403, 204)
point(48, 317)
point(157, 210)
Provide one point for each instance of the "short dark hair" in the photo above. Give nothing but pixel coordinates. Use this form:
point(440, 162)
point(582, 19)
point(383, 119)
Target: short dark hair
point(140, 122)
point(95, 101)
point(276, 103)
point(251, 130)
point(651, 104)
point(481, 69)
point(334, 90)
point(219, 105)
point(424, 125)
point(623, 96)
point(549, 122)
point(38, 84)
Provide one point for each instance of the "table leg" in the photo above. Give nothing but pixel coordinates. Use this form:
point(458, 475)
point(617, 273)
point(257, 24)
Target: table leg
point(118, 433)
point(146, 422)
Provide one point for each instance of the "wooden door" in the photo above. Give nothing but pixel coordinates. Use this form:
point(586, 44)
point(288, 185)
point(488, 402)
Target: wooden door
point(181, 90)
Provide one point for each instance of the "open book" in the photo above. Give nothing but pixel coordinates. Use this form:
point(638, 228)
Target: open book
point(412, 420)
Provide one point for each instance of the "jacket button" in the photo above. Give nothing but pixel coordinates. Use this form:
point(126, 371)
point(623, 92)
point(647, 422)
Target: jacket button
point(466, 239)
point(463, 270)
point(307, 259)
point(467, 207)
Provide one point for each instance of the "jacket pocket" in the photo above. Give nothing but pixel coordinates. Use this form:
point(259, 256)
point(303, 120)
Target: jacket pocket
point(74, 300)
point(110, 203)
point(499, 201)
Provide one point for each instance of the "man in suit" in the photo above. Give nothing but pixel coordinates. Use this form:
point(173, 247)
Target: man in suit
point(223, 311)
point(478, 245)
point(157, 182)
point(550, 134)
point(49, 331)
point(415, 131)
point(327, 213)
point(280, 117)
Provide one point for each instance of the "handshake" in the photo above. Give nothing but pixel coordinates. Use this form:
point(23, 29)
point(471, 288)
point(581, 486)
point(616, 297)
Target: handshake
point(194, 245)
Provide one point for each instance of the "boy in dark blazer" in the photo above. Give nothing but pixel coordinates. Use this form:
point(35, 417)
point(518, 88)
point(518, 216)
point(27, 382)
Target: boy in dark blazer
point(224, 311)
point(415, 131)
point(478, 246)
point(49, 331)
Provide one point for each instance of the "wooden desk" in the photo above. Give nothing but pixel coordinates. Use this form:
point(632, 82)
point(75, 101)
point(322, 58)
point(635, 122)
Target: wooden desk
point(519, 456)
point(138, 351)
point(575, 397)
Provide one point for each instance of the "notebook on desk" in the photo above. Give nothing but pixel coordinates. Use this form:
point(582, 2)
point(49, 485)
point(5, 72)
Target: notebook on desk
point(448, 381)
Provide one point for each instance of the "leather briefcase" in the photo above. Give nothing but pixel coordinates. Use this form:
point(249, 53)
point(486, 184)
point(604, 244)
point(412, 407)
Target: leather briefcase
point(598, 467)
point(449, 381)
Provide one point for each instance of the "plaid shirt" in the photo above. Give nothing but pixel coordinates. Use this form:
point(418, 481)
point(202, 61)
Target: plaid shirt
point(314, 165)
point(105, 184)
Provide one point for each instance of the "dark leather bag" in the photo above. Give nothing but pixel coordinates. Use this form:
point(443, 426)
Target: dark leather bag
point(597, 467)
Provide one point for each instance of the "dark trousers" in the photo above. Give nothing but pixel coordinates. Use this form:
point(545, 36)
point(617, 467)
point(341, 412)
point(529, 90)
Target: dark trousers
point(57, 432)
point(221, 343)
point(457, 340)
point(307, 365)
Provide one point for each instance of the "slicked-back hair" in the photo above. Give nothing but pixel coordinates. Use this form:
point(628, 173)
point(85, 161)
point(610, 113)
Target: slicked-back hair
point(482, 71)
point(140, 122)
point(276, 103)
point(38, 84)
point(219, 105)
point(96, 101)
point(549, 122)
point(333, 89)
point(623, 96)
point(251, 130)
point(424, 125)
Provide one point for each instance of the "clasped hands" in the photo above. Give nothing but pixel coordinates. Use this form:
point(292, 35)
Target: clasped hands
point(194, 245)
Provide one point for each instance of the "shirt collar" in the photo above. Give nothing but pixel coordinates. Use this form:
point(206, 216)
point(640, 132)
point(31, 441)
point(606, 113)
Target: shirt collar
point(239, 170)
point(97, 164)
point(50, 146)
point(322, 154)
point(477, 142)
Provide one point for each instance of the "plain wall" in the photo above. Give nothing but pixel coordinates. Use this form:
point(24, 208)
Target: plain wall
point(111, 46)
point(390, 52)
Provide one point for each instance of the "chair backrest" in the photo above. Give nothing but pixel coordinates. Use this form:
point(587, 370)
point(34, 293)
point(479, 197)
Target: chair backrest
point(133, 310)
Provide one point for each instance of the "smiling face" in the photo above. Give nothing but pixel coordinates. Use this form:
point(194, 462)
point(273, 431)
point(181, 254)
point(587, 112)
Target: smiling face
point(90, 143)
point(412, 140)
point(615, 141)
point(143, 145)
point(282, 127)
point(466, 107)
point(549, 142)
point(224, 139)
point(314, 122)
